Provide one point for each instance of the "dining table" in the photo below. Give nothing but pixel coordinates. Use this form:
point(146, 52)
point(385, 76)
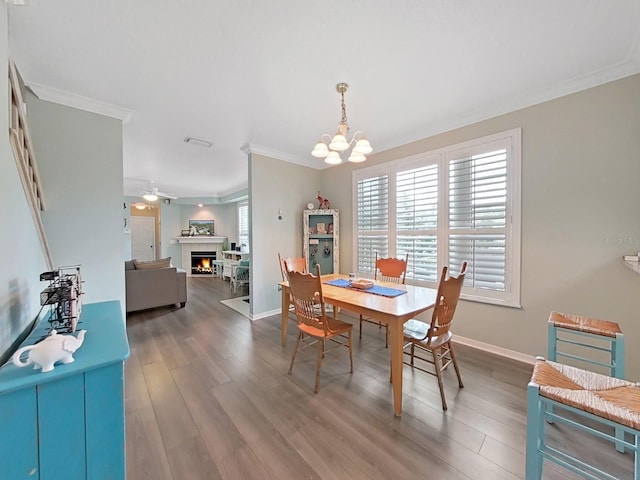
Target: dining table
point(393, 311)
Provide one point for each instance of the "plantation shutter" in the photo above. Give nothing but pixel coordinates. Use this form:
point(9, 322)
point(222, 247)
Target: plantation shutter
point(417, 221)
point(243, 224)
point(478, 218)
point(373, 221)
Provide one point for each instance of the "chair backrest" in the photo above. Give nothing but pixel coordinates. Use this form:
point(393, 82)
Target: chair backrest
point(308, 301)
point(447, 300)
point(297, 264)
point(391, 270)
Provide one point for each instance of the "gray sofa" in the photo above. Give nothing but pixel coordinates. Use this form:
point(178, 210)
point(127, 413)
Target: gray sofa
point(154, 287)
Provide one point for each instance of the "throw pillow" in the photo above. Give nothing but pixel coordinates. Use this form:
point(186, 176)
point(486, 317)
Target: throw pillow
point(153, 264)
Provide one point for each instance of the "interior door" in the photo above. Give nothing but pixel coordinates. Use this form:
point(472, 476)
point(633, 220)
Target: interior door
point(143, 238)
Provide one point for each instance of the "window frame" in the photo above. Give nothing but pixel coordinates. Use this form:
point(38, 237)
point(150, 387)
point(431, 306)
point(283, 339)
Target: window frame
point(511, 140)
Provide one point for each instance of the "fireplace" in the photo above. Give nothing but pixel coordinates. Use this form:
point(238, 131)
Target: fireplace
point(201, 263)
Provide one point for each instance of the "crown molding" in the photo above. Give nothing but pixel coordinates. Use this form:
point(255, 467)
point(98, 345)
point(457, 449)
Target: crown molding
point(250, 148)
point(68, 99)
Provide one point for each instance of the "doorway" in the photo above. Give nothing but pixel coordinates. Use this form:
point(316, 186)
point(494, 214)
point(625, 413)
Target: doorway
point(143, 238)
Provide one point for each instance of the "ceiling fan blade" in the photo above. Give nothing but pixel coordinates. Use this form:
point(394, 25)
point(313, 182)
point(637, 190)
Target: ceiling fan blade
point(167, 195)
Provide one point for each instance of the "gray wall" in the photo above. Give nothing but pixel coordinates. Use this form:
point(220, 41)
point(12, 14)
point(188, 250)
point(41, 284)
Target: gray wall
point(274, 185)
point(21, 255)
point(580, 203)
point(79, 156)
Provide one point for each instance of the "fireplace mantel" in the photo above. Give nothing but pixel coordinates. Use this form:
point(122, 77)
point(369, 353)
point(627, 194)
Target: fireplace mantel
point(201, 239)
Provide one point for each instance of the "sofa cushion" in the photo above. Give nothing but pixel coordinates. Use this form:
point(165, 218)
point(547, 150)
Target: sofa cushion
point(130, 264)
point(152, 264)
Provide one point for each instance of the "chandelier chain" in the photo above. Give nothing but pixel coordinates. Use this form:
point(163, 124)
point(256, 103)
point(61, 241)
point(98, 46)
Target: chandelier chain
point(344, 112)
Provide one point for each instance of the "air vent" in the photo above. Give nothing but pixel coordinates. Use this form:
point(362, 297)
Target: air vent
point(197, 141)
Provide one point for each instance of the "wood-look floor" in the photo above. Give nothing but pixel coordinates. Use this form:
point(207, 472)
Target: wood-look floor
point(208, 397)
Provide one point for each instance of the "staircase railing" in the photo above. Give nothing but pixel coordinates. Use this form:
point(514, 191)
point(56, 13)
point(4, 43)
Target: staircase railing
point(25, 160)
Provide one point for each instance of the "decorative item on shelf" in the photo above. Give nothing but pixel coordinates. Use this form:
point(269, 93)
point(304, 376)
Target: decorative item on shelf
point(53, 349)
point(185, 233)
point(323, 203)
point(330, 228)
point(321, 228)
point(312, 230)
point(331, 151)
point(64, 297)
point(326, 249)
point(310, 206)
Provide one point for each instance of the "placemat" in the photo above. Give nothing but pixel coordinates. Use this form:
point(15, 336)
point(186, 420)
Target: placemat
point(376, 289)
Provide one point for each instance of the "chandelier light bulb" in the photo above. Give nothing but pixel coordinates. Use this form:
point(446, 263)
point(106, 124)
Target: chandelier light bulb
point(333, 158)
point(339, 143)
point(356, 157)
point(320, 150)
point(363, 147)
point(150, 197)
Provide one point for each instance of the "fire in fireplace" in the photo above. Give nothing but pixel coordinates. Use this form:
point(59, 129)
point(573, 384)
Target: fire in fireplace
point(201, 263)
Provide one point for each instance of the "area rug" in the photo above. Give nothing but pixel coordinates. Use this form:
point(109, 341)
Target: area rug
point(239, 304)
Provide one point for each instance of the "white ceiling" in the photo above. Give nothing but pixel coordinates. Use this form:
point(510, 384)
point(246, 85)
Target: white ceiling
point(264, 72)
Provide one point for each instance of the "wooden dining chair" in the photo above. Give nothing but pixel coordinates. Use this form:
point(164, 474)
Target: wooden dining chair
point(297, 264)
point(391, 270)
point(314, 326)
point(435, 338)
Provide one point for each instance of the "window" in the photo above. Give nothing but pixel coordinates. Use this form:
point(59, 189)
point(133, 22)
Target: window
point(442, 208)
point(243, 225)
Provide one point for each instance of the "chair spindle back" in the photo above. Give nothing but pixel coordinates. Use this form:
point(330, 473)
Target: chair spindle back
point(448, 295)
point(308, 301)
point(392, 270)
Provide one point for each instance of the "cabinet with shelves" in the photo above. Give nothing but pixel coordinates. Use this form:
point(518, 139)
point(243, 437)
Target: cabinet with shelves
point(230, 259)
point(321, 239)
point(69, 422)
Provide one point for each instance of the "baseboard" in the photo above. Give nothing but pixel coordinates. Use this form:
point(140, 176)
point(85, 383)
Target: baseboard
point(270, 313)
point(502, 352)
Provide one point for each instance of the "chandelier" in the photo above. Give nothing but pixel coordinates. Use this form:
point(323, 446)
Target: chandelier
point(331, 151)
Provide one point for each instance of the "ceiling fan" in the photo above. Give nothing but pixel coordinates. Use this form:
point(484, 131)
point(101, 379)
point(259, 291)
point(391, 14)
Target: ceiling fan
point(152, 194)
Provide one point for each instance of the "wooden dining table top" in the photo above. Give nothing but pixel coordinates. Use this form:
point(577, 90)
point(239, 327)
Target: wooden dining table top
point(401, 307)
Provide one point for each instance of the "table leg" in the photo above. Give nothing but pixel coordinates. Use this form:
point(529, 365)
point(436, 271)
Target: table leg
point(285, 315)
point(396, 333)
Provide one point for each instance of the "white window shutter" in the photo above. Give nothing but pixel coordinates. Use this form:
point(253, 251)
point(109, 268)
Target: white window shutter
point(372, 221)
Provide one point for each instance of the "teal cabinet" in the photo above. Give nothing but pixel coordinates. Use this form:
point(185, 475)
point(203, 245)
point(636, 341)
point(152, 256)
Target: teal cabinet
point(321, 240)
point(68, 423)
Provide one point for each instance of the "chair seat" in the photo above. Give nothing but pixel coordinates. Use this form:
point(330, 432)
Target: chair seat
point(607, 397)
point(336, 327)
point(585, 324)
point(416, 331)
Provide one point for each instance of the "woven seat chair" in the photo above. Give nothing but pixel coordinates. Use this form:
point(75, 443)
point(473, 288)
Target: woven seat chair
point(591, 396)
point(587, 334)
point(391, 270)
point(314, 326)
point(435, 338)
point(601, 335)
